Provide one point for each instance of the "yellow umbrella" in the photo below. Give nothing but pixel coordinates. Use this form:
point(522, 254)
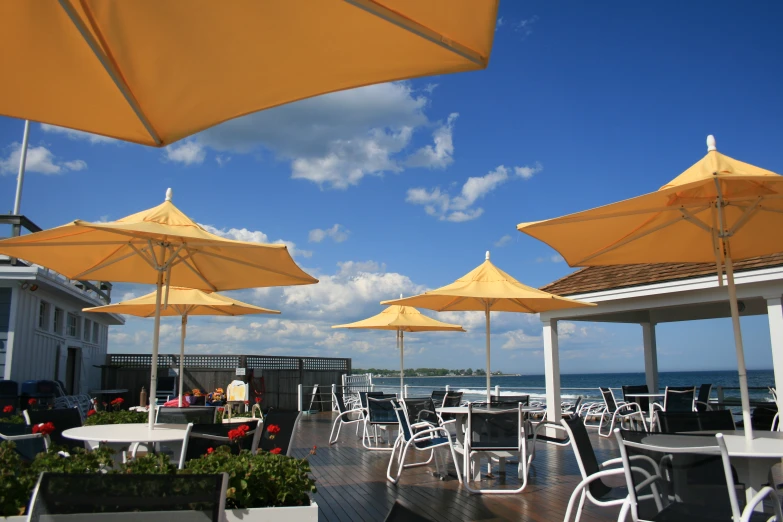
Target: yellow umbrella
point(718, 210)
point(488, 288)
point(154, 72)
point(402, 319)
point(183, 302)
point(160, 246)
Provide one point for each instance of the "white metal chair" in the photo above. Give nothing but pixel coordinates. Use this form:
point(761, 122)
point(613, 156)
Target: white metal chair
point(344, 417)
point(622, 412)
point(421, 436)
point(675, 399)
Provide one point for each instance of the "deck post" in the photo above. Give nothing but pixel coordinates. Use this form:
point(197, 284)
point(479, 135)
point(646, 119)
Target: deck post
point(552, 374)
point(775, 316)
point(650, 356)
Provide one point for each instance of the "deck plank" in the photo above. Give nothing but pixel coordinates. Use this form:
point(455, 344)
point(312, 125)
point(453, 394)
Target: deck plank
point(352, 483)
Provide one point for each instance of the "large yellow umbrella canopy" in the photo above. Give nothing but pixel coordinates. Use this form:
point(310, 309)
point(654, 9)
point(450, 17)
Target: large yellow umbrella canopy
point(718, 210)
point(153, 72)
point(161, 246)
point(183, 302)
point(487, 288)
point(402, 319)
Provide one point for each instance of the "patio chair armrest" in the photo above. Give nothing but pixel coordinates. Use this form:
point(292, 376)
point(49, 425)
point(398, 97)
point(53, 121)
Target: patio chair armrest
point(706, 404)
point(430, 432)
point(22, 437)
point(765, 492)
point(428, 416)
point(655, 405)
point(611, 462)
point(634, 407)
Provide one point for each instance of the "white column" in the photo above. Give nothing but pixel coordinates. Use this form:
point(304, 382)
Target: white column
point(775, 316)
point(650, 357)
point(551, 373)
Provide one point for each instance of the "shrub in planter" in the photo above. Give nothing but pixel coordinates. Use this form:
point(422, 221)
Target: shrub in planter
point(114, 417)
point(11, 416)
point(261, 480)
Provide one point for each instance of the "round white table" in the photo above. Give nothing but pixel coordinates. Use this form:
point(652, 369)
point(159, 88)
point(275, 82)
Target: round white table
point(751, 458)
point(128, 433)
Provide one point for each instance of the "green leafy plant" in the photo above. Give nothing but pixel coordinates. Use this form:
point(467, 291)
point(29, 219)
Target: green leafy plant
point(149, 464)
point(261, 480)
point(115, 417)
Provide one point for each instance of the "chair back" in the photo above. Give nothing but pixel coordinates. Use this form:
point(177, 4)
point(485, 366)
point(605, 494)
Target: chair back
point(643, 402)
point(340, 402)
point(381, 411)
point(679, 398)
point(451, 400)
point(363, 396)
point(237, 391)
point(28, 447)
point(574, 408)
point(62, 419)
point(272, 438)
point(585, 454)
point(511, 399)
point(191, 414)
point(420, 409)
point(438, 396)
point(491, 428)
point(691, 474)
point(172, 498)
point(685, 421)
point(704, 397)
point(201, 437)
point(166, 385)
point(609, 402)
point(401, 414)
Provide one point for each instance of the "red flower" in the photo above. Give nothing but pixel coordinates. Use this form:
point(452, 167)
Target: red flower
point(276, 451)
point(273, 429)
point(118, 401)
point(239, 432)
point(258, 399)
point(8, 409)
point(247, 402)
point(220, 410)
point(210, 451)
point(44, 429)
point(32, 402)
point(91, 413)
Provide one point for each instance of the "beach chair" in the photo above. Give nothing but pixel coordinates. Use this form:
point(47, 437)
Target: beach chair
point(643, 402)
point(703, 399)
point(592, 487)
point(199, 438)
point(683, 477)
point(344, 416)
point(62, 419)
point(380, 414)
point(421, 436)
point(438, 396)
point(614, 412)
point(497, 434)
point(676, 398)
point(685, 421)
point(129, 497)
point(421, 409)
point(280, 427)
point(450, 400)
point(28, 444)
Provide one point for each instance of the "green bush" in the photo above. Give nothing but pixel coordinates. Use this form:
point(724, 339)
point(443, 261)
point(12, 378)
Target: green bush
point(261, 480)
point(116, 417)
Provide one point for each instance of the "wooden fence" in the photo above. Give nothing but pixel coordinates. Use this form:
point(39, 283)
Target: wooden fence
point(281, 375)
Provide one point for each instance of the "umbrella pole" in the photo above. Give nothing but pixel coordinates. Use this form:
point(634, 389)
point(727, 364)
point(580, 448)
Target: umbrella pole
point(735, 321)
point(401, 343)
point(182, 356)
point(155, 340)
point(486, 313)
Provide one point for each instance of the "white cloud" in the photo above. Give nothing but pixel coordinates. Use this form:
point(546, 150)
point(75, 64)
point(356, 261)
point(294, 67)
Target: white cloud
point(337, 233)
point(337, 139)
point(39, 159)
point(222, 160)
point(440, 154)
point(77, 134)
point(187, 152)
point(503, 241)
point(255, 236)
point(526, 26)
point(518, 339)
point(459, 208)
point(556, 258)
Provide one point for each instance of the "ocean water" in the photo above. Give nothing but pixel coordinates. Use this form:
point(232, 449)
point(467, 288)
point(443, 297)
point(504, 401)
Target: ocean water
point(586, 385)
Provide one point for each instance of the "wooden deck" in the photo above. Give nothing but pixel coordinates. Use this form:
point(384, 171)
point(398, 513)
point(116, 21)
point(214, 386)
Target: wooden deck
point(352, 483)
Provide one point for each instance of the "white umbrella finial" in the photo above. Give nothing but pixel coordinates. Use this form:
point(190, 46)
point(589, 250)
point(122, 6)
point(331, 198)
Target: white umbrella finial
point(169, 193)
point(400, 296)
point(711, 143)
point(487, 256)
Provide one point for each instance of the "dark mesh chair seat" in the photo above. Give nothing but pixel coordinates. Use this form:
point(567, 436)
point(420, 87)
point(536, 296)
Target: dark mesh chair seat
point(63, 419)
point(451, 400)
point(679, 398)
point(437, 397)
point(192, 414)
point(684, 421)
point(27, 447)
point(421, 409)
point(164, 498)
point(288, 422)
point(643, 402)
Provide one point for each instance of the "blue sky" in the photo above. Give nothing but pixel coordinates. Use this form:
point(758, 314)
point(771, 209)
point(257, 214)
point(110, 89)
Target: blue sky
point(401, 187)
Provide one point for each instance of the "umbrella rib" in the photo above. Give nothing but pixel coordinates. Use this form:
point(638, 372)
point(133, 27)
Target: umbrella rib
point(520, 303)
point(108, 63)
point(420, 30)
point(746, 215)
point(580, 219)
point(690, 218)
point(184, 261)
point(453, 302)
point(252, 265)
point(103, 264)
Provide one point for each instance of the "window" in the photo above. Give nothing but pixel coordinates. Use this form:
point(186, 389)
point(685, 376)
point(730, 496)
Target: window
point(43, 315)
point(96, 328)
point(58, 321)
point(73, 329)
point(87, 329)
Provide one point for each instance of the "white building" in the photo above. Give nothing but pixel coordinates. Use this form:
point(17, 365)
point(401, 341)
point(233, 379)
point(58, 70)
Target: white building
point(43, 332)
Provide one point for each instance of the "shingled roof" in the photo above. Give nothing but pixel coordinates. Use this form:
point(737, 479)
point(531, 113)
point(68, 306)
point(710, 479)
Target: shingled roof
point(599, 278)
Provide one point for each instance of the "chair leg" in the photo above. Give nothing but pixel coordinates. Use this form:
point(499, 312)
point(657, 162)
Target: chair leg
point(391, 461)
point(456, 463)
point(332, 437)
point(581, 506)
